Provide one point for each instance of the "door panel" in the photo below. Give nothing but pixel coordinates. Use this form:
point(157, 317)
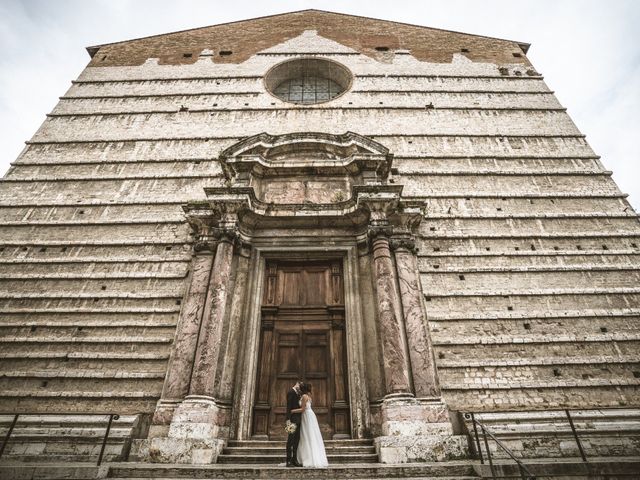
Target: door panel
point(302, 337)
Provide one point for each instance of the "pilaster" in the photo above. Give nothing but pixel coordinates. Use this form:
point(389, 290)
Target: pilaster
point(415, 423)
point(198, 425)
point(394, 354)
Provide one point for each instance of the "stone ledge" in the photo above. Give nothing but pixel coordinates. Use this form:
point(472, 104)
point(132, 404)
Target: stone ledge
point(431, 448)
point(82, 161)
point(95, 276)
point(108, 178)
point(511, 236)
point(28, 310)
point(489, 384)
point(534, 338)
point(66, 470)
point(177, 450)
point(25, 394)
point(259, 77)
point(525, 253)
point(89, 355)
point(561, 314)
point(255, 93)
point(534, 269)
point(289, 108)
point(537, 292)
point(599, 467)
point(90, 323)
point(544, 415)
point(584, 360)
point(98, 260)
point(82, 374)
point(237, 138)
point(109, 339)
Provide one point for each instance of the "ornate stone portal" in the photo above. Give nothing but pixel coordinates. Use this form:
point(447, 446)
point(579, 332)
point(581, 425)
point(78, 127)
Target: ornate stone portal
point(306, 196)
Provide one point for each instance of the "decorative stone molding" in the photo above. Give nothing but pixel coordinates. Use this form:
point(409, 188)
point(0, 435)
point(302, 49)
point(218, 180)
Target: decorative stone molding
point(404, 242)
point(264, 173)
point(304, 153)
point(233, 220)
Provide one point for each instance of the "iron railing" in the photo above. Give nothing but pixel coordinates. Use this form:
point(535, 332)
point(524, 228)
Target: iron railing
point(112, 417)
point(525, 473)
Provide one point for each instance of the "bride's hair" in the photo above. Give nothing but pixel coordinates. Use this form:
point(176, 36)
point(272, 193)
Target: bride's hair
point(305, 388)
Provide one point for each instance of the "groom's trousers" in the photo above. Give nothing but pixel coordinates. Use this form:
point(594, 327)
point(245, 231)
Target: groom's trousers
point(293, 439)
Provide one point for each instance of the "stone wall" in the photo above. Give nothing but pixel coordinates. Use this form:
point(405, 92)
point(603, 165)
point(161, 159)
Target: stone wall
point(529, 253)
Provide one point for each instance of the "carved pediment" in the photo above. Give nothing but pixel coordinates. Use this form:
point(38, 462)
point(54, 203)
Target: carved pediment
point(301, 168)
point(305, 180)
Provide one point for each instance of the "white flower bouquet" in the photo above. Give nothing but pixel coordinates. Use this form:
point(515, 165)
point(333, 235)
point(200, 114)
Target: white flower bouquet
point(290, 427)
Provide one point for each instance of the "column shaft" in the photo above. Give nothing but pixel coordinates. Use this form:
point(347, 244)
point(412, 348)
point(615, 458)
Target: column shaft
point(204, 370)
point(393, 350)
point(425, 380)
point(176, 385)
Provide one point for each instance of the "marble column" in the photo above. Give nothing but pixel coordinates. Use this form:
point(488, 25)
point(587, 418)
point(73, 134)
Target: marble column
point(424, 375)
point(393, 348)
point(178, 377)
point(199, 416)
point(206, 359)
point(199, 426)
point(413, 429)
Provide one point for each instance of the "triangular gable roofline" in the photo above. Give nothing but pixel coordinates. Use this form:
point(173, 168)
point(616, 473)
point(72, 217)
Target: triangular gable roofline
point(92, 50)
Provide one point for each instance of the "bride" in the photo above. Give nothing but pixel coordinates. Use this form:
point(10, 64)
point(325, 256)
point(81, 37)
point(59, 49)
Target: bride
point(311, 447)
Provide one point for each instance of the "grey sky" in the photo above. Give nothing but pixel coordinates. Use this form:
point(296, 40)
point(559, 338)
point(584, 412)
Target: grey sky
point(588, 51)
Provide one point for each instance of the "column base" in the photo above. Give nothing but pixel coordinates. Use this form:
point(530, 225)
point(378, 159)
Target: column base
point(162, 418)
point(417, 430)
point(197, 433)
point(177, 450)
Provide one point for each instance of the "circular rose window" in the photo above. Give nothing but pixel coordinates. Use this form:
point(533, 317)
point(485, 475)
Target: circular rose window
point(308, 80)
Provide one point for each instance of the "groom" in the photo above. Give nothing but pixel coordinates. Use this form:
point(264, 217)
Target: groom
point(293, 402)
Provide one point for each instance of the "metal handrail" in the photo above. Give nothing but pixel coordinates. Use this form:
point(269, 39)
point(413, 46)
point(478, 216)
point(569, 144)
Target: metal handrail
point(525, 473)
point(567, 412)
point(575, 435)
point(112, 417)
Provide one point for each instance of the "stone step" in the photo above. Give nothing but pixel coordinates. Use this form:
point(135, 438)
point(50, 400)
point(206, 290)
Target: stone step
point(66, 438)
point(568, 468)
point(541, 434)
point(68, 421)
point(282, 443)
point(89, 457)
point(45, 453)
point(74, 437)
point(343, 471)
point(280, 450)
point(303, 477)
point(277, 459)
point(50, 471)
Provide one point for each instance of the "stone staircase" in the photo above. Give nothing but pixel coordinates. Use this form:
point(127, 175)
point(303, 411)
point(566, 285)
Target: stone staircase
point(67, 438)
point(547, 434)
point(273, 452)
point(348, 459)
point(440, 471)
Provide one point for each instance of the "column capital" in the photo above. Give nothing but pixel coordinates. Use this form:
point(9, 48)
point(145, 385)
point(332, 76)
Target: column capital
point(379, 231)
point(404, 242)
point(226, 233)
point(204, 245)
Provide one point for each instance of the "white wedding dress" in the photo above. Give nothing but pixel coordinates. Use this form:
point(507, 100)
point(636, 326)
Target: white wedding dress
point(311, 451)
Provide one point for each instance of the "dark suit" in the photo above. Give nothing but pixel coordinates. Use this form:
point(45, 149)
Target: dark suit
point(293, 402)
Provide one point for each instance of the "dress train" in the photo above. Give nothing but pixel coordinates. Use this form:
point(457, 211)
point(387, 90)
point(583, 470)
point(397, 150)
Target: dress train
point(311, 452)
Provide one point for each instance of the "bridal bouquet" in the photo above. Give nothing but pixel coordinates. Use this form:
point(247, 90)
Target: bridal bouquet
point(290, 427)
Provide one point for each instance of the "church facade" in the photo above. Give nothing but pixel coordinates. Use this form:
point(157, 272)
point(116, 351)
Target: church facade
point(403, 216)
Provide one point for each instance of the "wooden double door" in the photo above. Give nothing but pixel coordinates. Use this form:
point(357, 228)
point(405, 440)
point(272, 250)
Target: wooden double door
point(302, 337)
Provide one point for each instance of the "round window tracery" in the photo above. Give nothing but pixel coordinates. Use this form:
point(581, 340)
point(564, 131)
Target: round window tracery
point(308, 81)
